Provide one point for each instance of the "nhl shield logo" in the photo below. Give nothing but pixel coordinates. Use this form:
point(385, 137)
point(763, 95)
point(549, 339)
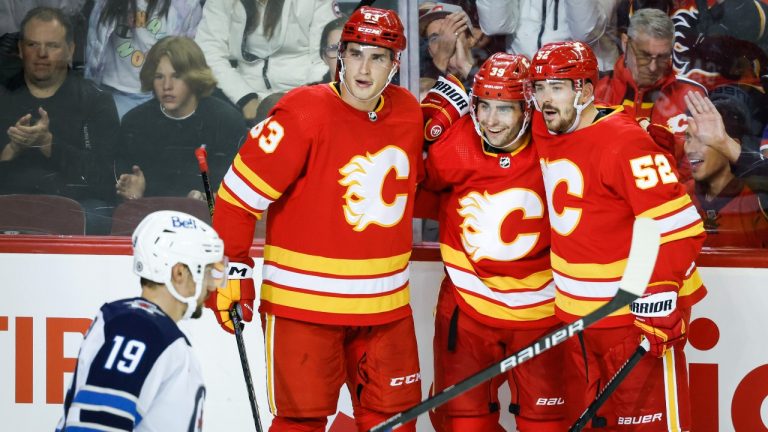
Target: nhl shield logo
point(504, 162)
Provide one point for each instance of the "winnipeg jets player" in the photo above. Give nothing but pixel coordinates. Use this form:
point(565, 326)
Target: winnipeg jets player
point(136, 370)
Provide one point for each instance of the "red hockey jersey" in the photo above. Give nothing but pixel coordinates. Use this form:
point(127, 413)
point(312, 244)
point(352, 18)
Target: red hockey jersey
point(734, 218)
point(598, 180)
point(339, 184)
point(494, 233)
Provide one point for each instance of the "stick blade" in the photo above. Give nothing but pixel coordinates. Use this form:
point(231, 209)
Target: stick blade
point(646, 239)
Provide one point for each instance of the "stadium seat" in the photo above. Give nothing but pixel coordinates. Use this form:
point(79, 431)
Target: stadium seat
point(128, 214)
point(41, 214)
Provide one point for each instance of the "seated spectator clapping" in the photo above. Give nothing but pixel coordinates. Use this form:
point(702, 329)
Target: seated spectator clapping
point(60, 127)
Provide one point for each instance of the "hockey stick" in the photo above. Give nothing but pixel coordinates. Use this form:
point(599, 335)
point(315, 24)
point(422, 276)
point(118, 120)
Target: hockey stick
point(611, 386)
point(640, 264)
point(235, 313)
point(362, 3)
point(202, 162)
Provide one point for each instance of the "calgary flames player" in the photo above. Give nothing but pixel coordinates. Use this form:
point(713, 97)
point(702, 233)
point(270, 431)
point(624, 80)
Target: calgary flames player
point(498, 293)
point(337, 166)
point(601, 171)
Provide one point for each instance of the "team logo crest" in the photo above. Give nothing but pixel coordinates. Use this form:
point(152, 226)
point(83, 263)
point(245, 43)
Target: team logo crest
point(435, 131)
point(504, 162)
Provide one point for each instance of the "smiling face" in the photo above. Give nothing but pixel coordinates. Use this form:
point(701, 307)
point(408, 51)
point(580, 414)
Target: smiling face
point(555, 98)
point(45, 52)
point(500, 121)
point(707, 164)
point(172, 91)
point(366, 73)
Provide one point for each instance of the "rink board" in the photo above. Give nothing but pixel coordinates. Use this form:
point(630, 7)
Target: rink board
point(52, 289)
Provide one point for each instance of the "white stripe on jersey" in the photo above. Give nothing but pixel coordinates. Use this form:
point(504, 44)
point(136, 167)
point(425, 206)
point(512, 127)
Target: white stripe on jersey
point(678, 220)
point(244, 191)
point(375, 285)
point(512, 299)
point(589, 289)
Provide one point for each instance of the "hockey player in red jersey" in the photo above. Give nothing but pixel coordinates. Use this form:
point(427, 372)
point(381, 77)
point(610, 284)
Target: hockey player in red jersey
point(601, 171)
point(498, 293)
point(337, 165)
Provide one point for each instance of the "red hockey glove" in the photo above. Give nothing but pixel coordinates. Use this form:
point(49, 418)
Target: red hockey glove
point(662, 324)
point(445, 103)
point(239, 289)
point(663, 137)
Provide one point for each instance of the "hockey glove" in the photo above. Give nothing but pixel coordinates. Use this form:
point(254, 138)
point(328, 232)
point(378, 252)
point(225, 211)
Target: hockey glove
point(239, 289)
point(661, 322)
point(663, 137)
point(445, 103)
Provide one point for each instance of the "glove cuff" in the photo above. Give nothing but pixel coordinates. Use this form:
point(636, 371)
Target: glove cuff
point(657, 305)
point(239, 271)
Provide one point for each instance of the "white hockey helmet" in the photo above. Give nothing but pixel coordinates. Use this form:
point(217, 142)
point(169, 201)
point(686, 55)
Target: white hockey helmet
point(165, 238)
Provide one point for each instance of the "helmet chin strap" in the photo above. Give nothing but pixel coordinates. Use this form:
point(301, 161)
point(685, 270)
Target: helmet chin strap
point(191, 302)
point(342, 70)
point(579, 108)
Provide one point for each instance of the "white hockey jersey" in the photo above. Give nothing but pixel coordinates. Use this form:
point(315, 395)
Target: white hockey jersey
point(136, 371)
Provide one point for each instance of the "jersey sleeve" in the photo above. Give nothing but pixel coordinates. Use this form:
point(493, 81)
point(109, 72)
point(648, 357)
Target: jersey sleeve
point(120, 367)
point(644, 175)
point(273, 156)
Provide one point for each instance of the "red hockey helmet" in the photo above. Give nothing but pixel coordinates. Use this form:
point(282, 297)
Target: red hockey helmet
point(374, 26)
point(565, 60)
point(503, 77)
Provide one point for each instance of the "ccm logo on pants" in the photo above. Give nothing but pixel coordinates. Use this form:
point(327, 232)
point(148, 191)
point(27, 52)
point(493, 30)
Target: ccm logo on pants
point(409, 379)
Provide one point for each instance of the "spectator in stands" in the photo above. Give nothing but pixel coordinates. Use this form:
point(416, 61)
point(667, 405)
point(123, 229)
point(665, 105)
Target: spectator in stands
point(707, 126)
point(450, 38)
point(60, 127)
point(121, 32)
point(734, 213)
point(158, 138)
point(531, 24)
point(329, 46)
point(627, 8)
point(273, 44)
point(11, 14)
point(643, 80)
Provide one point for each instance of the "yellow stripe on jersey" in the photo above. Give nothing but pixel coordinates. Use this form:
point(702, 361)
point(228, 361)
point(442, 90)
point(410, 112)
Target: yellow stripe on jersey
point(506, 313)
point(335, 266)
point(689, 232)
point(612, 270)
point(503, 283)
point(583, 307)
point(691, 284)
point(226, 196)
point(666, 208)
point(670, 390)
point(269, 342)
point(336, 305)
point(257, 182)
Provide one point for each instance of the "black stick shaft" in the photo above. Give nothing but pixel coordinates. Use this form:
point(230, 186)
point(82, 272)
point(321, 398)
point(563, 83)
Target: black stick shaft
point(609, 388)
point(552, 339)
point(235, 314)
